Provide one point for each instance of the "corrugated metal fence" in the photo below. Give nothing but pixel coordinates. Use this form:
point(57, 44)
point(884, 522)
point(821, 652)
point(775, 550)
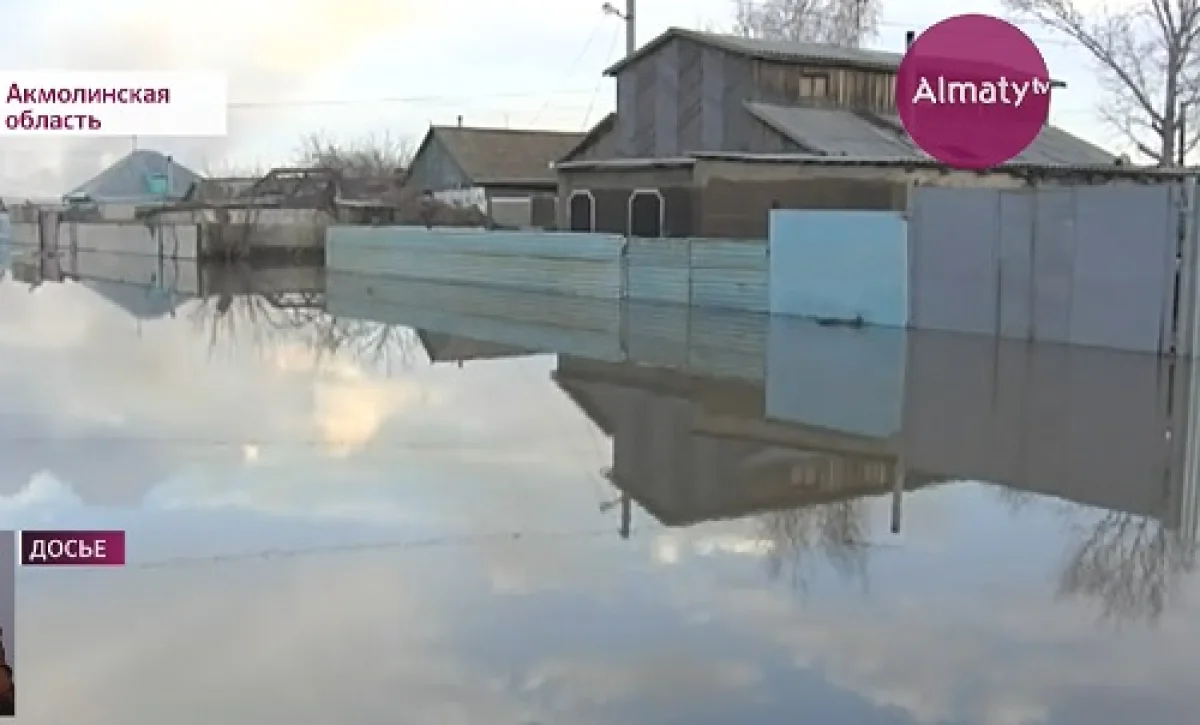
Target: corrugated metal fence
point(729, 275)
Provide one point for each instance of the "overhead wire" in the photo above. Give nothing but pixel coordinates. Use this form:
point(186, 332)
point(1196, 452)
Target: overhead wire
point(587, 44)
point(612, 46)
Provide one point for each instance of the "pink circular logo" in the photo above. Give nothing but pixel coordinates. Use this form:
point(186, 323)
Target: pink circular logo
point(973, 91)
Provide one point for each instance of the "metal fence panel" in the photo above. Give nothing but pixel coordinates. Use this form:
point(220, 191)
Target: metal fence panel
point(729, 275)
point(1127, 239)
point(585, 265)
point(659, 270)
point(952, 259)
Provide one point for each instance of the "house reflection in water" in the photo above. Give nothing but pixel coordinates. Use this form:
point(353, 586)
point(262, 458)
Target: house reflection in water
point(845, 414)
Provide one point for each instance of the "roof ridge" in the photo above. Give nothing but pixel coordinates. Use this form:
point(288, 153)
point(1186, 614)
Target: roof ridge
point(509, 130)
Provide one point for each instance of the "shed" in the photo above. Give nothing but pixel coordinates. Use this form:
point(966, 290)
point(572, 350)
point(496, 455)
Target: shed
point(507, 173)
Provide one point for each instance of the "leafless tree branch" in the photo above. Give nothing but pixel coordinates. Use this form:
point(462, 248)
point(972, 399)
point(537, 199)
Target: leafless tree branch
point(1147, 62)
point(846, 23)
point(1131, 564)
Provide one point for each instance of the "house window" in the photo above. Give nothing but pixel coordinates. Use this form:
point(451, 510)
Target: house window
point(646, 213)
point(814, 86)
point(581, 211)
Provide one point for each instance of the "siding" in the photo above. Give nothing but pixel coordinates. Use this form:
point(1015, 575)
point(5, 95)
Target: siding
point(840, 265)
point(702, 273)
point(1089, 265)
point(729, 275)
point(583, 265)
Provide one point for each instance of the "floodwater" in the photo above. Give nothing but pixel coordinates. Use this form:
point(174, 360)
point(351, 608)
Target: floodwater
point(341, 518)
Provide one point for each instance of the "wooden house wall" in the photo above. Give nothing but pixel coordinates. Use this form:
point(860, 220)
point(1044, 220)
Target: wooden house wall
point(830, 87)
point(689, 97)
point(436, 170)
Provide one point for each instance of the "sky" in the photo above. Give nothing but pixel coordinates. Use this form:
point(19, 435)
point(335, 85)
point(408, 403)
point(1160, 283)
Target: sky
point(354, 69)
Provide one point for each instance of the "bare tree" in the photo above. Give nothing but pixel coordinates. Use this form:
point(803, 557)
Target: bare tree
point(238, 312)
point(373, 156)
point(836, 532)
point(1131, 564)
point(847, 23)
point(1146, 53)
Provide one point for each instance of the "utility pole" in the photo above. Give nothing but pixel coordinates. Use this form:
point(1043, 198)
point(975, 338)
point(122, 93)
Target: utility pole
point(630, 27)
point(630, 18)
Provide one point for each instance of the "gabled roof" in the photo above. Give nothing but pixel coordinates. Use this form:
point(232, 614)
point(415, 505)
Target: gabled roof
point(606, 125)
point(781, 50)
point(142, 302)
point(135, 178)
point(860, 134)
point(499, 155)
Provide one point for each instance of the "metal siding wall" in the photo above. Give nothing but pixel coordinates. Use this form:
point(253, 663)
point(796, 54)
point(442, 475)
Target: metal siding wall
point(585, 265)
point(1090, 265)
point(840, 265)
point(1127, 238)
point(659, 270)
point(729, 275)
point(952, 259)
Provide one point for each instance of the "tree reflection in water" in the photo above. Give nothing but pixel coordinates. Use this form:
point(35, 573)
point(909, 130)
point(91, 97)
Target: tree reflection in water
point(799, 538)
point(1133, 565)
point(268, 320)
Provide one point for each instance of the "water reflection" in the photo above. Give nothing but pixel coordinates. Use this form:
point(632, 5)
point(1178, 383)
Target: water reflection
point(838, 525)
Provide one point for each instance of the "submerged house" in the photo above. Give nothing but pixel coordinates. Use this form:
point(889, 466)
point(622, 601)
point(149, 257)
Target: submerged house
point(142, 178)
point(712, 131)
point(508, 174)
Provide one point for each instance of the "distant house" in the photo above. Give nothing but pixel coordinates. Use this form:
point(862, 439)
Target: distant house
point(753, 124)
point(508, 174)
point(142, 178)
point(215, 190)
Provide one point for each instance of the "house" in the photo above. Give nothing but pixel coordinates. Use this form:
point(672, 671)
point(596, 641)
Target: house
point(507, 173)
point(690, 449)
point(142, 178)
point(215, 190)
point(749, 125)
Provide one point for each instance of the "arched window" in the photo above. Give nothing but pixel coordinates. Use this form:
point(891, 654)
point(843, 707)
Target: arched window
point(581, 211)
point(647, 213)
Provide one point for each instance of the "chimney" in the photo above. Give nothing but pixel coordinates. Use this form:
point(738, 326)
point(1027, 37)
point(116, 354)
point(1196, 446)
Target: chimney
point(909, 37)
point(460, 121)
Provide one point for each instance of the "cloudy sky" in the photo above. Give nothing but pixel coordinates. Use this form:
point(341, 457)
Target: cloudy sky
point(354, 68)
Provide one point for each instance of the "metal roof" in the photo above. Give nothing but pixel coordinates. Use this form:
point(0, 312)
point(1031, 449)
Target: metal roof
point(132, 179)
point(834, 132)
point(781, 50)
point(501, 155)
point(1108, 170)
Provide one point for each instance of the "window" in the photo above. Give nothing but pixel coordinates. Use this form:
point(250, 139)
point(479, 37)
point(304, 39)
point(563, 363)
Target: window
point(581, 211)
point(646, 213)
point(814, 86)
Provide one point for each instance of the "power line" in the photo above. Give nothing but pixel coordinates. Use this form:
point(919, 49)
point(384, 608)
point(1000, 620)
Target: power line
point(587, 116)
point(587, 44)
